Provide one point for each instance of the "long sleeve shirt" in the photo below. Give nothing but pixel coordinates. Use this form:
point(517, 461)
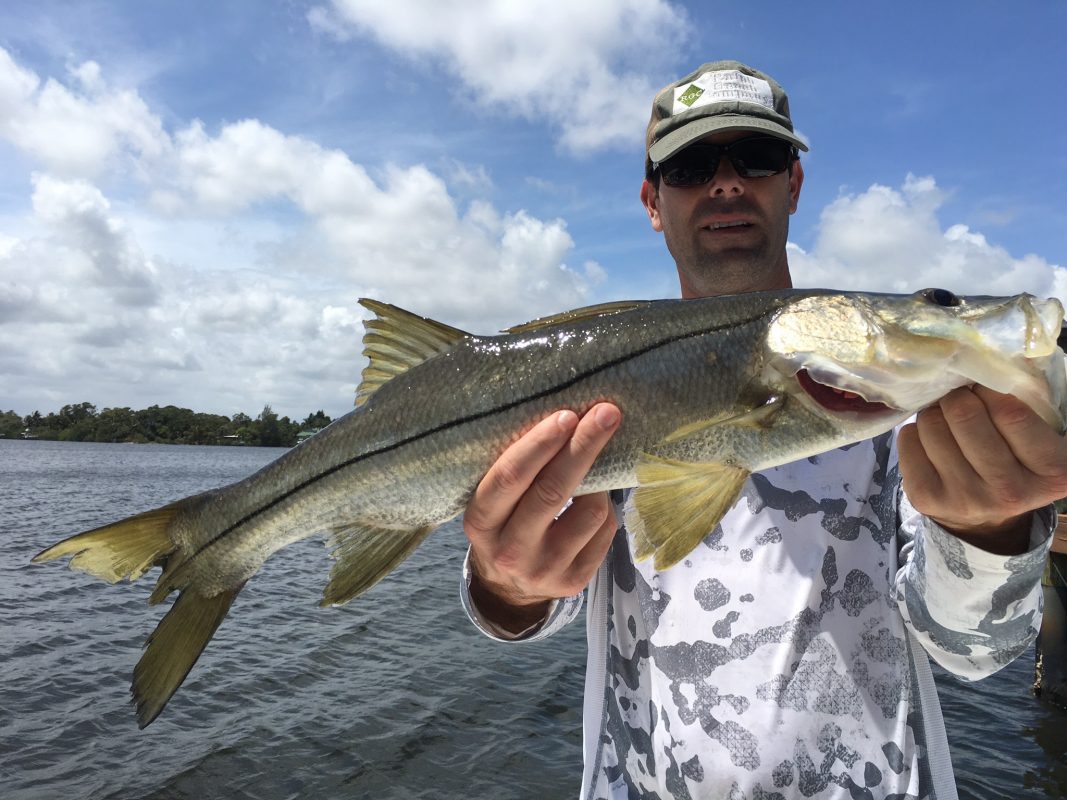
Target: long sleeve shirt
point(786, 656)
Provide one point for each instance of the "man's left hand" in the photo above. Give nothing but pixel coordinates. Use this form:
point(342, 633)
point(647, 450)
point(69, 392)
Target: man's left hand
point(979, 463)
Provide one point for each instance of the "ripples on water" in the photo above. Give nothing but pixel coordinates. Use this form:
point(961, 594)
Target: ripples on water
point(393, 695)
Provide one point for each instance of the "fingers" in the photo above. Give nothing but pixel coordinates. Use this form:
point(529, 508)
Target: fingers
point(587, 560)
point(509, 478)
point(918, 474)
point(1003, 443)
point(558, 480)
point(955, 436)
point(1036, 446)
point(575, 544)
point(519, 549)
point(980, 459)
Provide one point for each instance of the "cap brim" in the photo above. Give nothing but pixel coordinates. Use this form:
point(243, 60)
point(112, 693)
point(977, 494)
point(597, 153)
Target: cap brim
point(699, 128)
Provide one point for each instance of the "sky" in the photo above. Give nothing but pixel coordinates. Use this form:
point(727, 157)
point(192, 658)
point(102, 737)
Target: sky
point(194, 195)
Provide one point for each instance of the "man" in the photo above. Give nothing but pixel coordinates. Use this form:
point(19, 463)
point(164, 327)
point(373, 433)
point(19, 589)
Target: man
point(784, 656)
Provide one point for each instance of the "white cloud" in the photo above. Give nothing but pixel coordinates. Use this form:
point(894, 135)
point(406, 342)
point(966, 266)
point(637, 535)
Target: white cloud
point(887, 239)
point(93, 307)
point(583, 66)
point(249, 162)
point(100, 250)
point(405, 237)
point(17, 86)
point(208, 340)
point(87, 315)
point(75, 131)
point(473, 178)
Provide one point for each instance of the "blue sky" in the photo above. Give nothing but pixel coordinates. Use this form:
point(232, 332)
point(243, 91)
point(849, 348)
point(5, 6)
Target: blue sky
point(194, 195)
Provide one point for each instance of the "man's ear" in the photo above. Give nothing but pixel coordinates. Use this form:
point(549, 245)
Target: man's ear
point(650, 199)
point(796, 180)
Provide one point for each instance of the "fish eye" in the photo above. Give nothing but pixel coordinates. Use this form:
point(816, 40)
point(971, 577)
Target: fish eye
point(941, 297)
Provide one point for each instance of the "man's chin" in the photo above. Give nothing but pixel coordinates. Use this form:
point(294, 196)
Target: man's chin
point(731, 272)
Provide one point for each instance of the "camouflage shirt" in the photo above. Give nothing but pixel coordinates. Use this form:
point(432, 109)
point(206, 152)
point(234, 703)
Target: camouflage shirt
point(784, 657)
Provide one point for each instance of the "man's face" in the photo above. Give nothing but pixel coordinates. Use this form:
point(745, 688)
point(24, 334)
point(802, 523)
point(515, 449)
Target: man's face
point(727, 235)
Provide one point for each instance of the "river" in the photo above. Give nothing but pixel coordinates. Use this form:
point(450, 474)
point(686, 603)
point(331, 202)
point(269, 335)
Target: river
point(393, 695)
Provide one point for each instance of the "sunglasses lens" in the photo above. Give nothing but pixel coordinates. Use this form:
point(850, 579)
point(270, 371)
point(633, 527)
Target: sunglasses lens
point(693, 166)
point(759, 158)
point(756, 157)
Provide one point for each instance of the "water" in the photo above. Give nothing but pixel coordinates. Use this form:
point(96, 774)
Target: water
point(394, 695)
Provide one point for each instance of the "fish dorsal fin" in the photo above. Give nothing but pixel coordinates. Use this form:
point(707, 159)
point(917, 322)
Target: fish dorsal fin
point(396, 340)
point(577, 314)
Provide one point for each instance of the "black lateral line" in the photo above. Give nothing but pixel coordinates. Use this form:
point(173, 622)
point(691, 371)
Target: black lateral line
point(465, 420)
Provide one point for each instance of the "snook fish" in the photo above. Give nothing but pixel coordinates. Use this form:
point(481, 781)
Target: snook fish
point(710, 391)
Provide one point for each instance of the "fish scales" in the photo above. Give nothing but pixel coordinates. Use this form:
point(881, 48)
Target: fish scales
point(536, 374)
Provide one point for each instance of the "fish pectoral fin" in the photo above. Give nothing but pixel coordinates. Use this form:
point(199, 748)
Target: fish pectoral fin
point(396, 340)
point(676, 504)
point(364, 555)
point(174, 647)
point(762, 416)
point(122, 550)
point(576, 315)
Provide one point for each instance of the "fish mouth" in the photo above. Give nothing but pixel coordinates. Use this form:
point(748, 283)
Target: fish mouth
point(838, 400)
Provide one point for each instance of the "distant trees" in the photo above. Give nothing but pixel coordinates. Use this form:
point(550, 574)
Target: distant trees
point(316, 421)
point(11, 424)
point(269, 431)
point(82, 422)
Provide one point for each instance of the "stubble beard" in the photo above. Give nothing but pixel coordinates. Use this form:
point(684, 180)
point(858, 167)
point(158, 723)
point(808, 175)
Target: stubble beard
point(705, 271)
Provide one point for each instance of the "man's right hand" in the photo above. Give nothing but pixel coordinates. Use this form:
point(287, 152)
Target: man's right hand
point(524, 553)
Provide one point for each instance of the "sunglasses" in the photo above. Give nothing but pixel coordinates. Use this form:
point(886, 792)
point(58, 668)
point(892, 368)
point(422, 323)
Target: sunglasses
point(753, 157)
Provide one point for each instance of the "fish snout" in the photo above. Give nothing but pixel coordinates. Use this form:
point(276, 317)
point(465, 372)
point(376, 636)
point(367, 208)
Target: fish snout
point(1044, 324)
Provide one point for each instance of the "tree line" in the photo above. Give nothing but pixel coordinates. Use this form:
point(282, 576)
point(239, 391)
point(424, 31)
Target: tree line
point(81, 422)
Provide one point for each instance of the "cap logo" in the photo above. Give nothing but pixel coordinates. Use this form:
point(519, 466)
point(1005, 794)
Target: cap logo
point(690, 95)
point(721, 86)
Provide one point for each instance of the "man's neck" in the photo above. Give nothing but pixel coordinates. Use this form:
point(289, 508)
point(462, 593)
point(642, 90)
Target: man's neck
point(692, 290)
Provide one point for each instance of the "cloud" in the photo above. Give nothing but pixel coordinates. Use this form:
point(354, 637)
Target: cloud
point(77, 130)
point(583, 66)
point(86, 315)
point(98, 250)
point(400, 233)
point(886, 239)
point(400, 236)
point(101, 306)
point(218, 341)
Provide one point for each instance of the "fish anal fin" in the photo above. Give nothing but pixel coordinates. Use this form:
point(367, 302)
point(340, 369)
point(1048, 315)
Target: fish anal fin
point(577, 314)
point(122, 550)
point(676, 504)
point(396, 340)
point(174, 647)
point(364, 555)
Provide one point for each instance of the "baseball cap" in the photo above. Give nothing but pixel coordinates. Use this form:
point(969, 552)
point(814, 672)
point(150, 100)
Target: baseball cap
point(718, 96)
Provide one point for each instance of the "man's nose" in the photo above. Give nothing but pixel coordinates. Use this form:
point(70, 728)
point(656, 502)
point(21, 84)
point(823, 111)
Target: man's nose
point(726, 181)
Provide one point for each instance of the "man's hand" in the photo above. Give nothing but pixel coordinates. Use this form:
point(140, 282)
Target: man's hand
point(979, 463)
point(522, 555)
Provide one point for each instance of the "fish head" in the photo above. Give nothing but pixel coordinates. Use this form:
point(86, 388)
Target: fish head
point(860, 356)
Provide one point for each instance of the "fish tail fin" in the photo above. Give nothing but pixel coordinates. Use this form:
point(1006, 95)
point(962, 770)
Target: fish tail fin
point(363, 555)
point(174, 647)
point(127, 550)
point(122, 550)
